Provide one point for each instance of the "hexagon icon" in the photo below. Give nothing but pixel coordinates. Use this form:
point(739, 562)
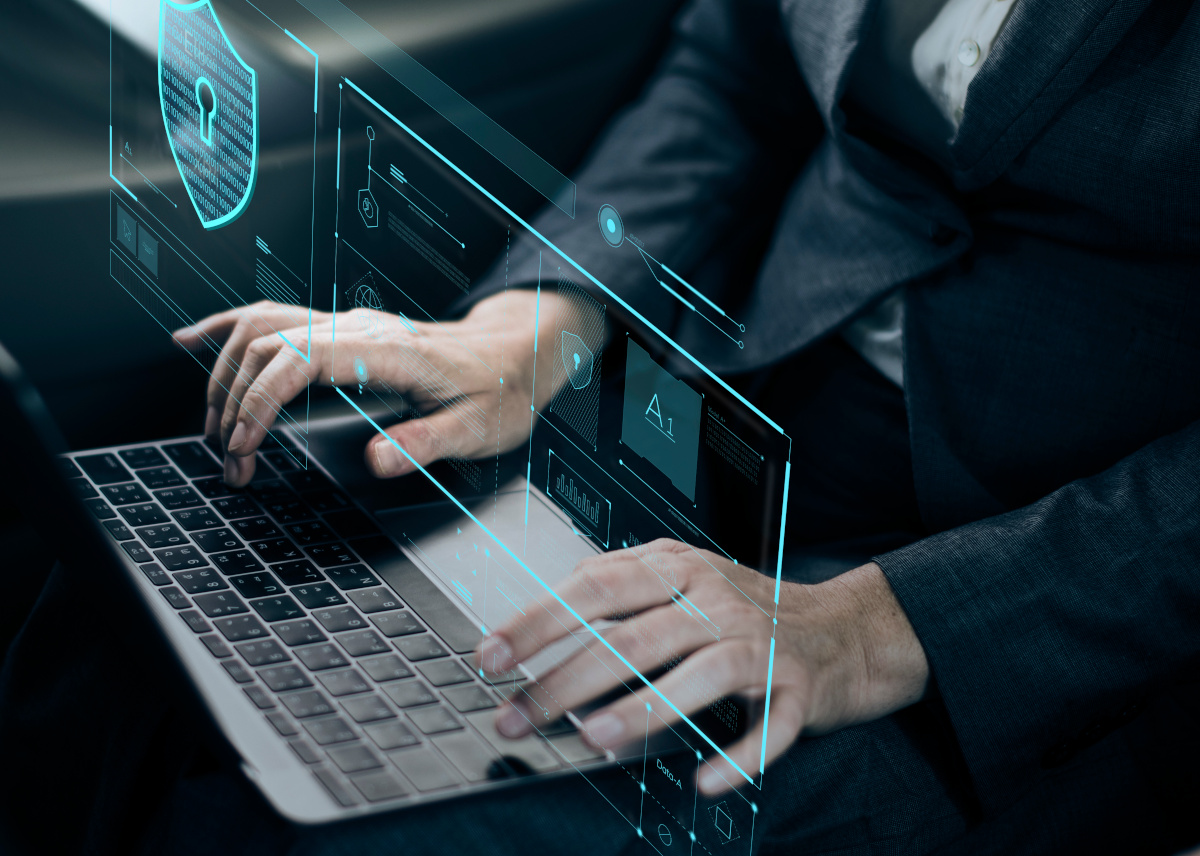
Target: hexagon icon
point(367, 208)
point(577, 360)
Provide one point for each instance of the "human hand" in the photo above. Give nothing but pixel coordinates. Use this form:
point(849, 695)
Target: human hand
point(844, 651)
point(450, 372)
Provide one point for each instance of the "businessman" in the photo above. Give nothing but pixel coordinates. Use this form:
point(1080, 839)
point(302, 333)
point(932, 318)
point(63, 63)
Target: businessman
point(974, 302)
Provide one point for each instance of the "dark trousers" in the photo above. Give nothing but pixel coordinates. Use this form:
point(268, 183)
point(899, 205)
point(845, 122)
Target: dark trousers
point(105, 752)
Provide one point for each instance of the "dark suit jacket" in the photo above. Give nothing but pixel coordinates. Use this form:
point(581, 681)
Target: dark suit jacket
point(1052, 331)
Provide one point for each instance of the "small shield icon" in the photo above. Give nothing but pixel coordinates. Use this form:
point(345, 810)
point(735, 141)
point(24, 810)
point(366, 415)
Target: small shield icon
point(577, 360)
point(209, 100)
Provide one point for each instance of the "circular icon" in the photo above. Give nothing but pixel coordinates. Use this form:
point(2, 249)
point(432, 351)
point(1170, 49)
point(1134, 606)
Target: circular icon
point(611, 226)
point(370, 133)
point(664, 835)
point(360, 370)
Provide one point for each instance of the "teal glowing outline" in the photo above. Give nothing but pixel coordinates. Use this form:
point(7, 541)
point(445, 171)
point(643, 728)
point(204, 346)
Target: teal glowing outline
point(249, 194)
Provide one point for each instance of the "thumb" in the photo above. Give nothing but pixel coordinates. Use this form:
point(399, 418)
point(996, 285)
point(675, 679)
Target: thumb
point(422, 440)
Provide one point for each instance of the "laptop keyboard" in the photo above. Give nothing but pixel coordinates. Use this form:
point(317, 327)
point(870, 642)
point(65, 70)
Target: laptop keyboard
point(278, 582)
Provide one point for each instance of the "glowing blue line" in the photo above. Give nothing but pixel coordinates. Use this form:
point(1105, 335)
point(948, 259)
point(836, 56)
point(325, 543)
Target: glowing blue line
point(762, 758)
point(316, 66)
point(110, 161)
point(510, 600)
point(418, 207)
point(462, 590)
point(646, 258)
point(622, 463)
point(707, 371)
point(148, 181)
point(686, 285)
point(683, 717)
point(693, 606)
point(684, 608)
point(338, 183)
point(787, 482)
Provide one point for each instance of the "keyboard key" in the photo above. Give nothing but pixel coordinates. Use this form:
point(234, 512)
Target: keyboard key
point(82, 488)
point(237, 671)
point(175, 597)
point(352, 577)
point(143, 515)
point(68, 469)
point(104, 468)
point(124, 494)
point(221, 603)
point(442, 673)
point(195, 621)
point(136, 552)
point(290, 511)
point(282, 724)
point(393, 624)
point(409, 694)
point(417, 648)
point(369, 708)
point(142, 457)
point(379, 787)
point(157, 478)
point(302, 632)
point(281, 461)
point(216, 646)
point(260, 698)
point(176, 498)
point(354, 759)
point(298, 573)
point(467, 699)
point(351, 523)
point(214, 488)
point(257, 585)
point(195, 519)
point(236, 562)
point(155, 574)
point(276, 550)
point(342, 795)
point(337, 620)
point(434, 720)
point(214, 540)
point(470, 756)
point(277, 608)
point(100, 509)
point(118, 530)
point(362, 642)
point(306, 480)
point(263, 652)
point(391, 735)
point(320, 657)
point(389, 668)
point(270, 490)
point(308, 534)
point(239, 627)
point(375, 600)
point(235, 507)
point(306, 704)
point(195, 582)
point(179, 558)
point(163, 535)
point(345, 682)
point(326, 731)
point(192, 459)
point(283, 678)
point(424, 768)
point(304, 751)
point(256, 529)
point(317, 595)
point(324, 501)
point(330, 555)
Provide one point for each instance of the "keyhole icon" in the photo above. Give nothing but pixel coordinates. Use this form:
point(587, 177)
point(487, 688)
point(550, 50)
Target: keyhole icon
point(576, 362)
point(206, 98)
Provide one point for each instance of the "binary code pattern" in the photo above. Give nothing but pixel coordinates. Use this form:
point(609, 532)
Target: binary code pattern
point(731, 447)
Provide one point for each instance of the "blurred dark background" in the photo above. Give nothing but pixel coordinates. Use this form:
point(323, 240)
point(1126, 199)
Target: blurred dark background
point(106, 369)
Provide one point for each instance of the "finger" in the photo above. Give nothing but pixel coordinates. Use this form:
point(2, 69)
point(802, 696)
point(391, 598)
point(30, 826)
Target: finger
point(719, 774)
point(210, 331)
point(654, 639)
point(402, 447)
point(616, 583)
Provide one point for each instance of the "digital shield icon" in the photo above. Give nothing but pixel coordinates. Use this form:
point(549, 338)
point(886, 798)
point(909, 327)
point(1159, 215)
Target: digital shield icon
point(209, 99)
point(577, 360)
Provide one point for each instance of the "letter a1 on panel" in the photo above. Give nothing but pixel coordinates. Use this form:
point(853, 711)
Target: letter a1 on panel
point(209, 99)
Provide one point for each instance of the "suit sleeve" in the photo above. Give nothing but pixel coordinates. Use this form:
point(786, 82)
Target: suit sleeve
point(725, 115)
point(1046, 627)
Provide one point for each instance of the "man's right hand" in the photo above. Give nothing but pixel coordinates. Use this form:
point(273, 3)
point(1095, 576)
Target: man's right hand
point(457, 374)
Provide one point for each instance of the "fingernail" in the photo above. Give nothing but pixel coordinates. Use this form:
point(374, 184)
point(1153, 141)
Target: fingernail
point(603, 730)
point(212, 422)
point(511, 723)
point(388, 461)
point(495, 655)
point(238, 437)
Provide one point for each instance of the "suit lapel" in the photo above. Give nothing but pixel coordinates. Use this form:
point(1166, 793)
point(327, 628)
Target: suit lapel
point(1045, 51)
point(824, 35)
